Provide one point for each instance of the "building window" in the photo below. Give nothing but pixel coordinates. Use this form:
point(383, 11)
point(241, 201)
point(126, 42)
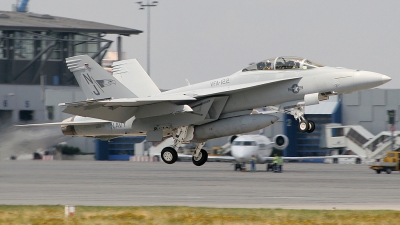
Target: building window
point(3, 47)
point(26, 115)
point(56, 51)
point(23, 46)
point(50, 112)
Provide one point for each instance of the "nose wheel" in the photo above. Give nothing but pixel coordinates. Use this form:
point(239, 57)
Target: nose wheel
point(306, 126)
point(298, 112)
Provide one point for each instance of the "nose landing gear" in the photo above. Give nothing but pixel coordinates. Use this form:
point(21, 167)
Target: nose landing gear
point(298, 112)
point(306, 126)
point(240, 166)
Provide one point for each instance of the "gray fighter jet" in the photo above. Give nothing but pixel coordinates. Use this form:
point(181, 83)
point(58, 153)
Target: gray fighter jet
point(130, 104)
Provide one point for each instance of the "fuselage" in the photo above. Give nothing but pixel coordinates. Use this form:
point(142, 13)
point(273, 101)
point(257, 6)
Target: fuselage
point(316, 80)
point(252, 87)
point(245, 146)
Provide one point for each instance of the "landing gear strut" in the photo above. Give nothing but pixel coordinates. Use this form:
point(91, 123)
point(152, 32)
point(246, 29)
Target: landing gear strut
point(184, 134)
point(200, 156)
point(298, 112)
point(169, 154)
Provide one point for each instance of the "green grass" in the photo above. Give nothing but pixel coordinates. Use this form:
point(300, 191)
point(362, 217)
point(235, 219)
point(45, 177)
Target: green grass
point(48, 215)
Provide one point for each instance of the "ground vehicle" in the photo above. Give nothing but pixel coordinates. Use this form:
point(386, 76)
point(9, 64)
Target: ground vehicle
point(388, 164)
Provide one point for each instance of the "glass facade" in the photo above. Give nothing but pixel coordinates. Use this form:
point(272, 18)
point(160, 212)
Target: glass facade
point(23, 53)
point(23, 46)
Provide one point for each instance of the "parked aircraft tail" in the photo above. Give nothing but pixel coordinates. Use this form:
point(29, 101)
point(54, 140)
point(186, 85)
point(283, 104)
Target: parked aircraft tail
point(95, 82)
point(131, 74)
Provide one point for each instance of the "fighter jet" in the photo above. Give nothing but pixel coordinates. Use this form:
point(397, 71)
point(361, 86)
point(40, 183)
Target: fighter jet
point(199, 112)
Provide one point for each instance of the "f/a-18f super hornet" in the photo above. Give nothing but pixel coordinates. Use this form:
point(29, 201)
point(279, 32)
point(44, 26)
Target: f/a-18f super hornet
point(130, 104)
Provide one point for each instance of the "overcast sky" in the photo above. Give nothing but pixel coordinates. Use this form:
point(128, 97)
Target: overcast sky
point(202, 40)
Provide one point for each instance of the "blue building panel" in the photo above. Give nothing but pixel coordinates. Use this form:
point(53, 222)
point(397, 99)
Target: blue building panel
point(117, 149)
point(307, 144)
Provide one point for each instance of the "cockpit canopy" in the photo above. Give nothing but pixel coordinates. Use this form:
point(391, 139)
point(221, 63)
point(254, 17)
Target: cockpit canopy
point(283, 63)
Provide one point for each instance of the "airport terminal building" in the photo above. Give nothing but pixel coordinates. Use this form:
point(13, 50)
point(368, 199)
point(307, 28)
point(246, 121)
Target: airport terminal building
point(33, 74)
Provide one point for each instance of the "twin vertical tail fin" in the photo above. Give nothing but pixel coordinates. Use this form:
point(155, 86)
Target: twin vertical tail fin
point(134, 77)
point(96, 82)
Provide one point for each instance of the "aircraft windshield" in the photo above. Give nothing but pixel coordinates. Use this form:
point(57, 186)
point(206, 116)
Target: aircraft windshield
point(244, 143)
point(283, 63)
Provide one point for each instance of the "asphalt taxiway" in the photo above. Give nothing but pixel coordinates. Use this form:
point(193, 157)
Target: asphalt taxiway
point(300, 186)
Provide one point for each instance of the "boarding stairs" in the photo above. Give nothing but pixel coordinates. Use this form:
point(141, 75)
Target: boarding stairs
point(351, 138)
point(382, 143)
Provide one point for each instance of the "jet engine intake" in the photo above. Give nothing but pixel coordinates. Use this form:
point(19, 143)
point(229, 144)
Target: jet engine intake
point(68, 130)
point(280, 141)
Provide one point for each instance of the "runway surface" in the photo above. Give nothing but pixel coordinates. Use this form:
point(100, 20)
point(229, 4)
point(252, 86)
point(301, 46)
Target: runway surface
point(300, 186)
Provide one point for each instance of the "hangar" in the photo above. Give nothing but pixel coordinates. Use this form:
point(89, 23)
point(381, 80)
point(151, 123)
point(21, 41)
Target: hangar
point(33, 74)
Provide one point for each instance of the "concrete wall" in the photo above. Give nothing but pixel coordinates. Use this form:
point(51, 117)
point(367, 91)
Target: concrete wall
point(14, 98)
point(369, 108)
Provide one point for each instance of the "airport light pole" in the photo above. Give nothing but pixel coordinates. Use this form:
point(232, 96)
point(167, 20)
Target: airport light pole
point(148, 6)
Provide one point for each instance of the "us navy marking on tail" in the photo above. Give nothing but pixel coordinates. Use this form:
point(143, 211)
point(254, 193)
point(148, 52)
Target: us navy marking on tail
point(106, 82)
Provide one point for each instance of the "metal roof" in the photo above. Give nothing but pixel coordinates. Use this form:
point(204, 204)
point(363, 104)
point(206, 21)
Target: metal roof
point(44, 22)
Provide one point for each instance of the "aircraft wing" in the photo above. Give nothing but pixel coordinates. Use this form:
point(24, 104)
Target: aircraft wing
point(233, 88)
point(222, 157)
point(65, 123)
point(122, 109)
point(312, 157)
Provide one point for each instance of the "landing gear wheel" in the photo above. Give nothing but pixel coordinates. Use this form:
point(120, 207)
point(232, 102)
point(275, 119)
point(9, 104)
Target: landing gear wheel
point(303, 126)
point(169, 155)
point(238, 167)
point(311, 126)
point(378, 171)
point(201, 159)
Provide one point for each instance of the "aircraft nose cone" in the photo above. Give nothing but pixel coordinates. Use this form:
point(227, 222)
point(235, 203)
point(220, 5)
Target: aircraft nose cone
point(385, 79)
point(366, 79)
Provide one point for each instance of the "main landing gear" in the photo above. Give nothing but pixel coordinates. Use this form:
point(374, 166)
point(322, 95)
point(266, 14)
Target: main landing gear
point(240, 166)
point(169, 154)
